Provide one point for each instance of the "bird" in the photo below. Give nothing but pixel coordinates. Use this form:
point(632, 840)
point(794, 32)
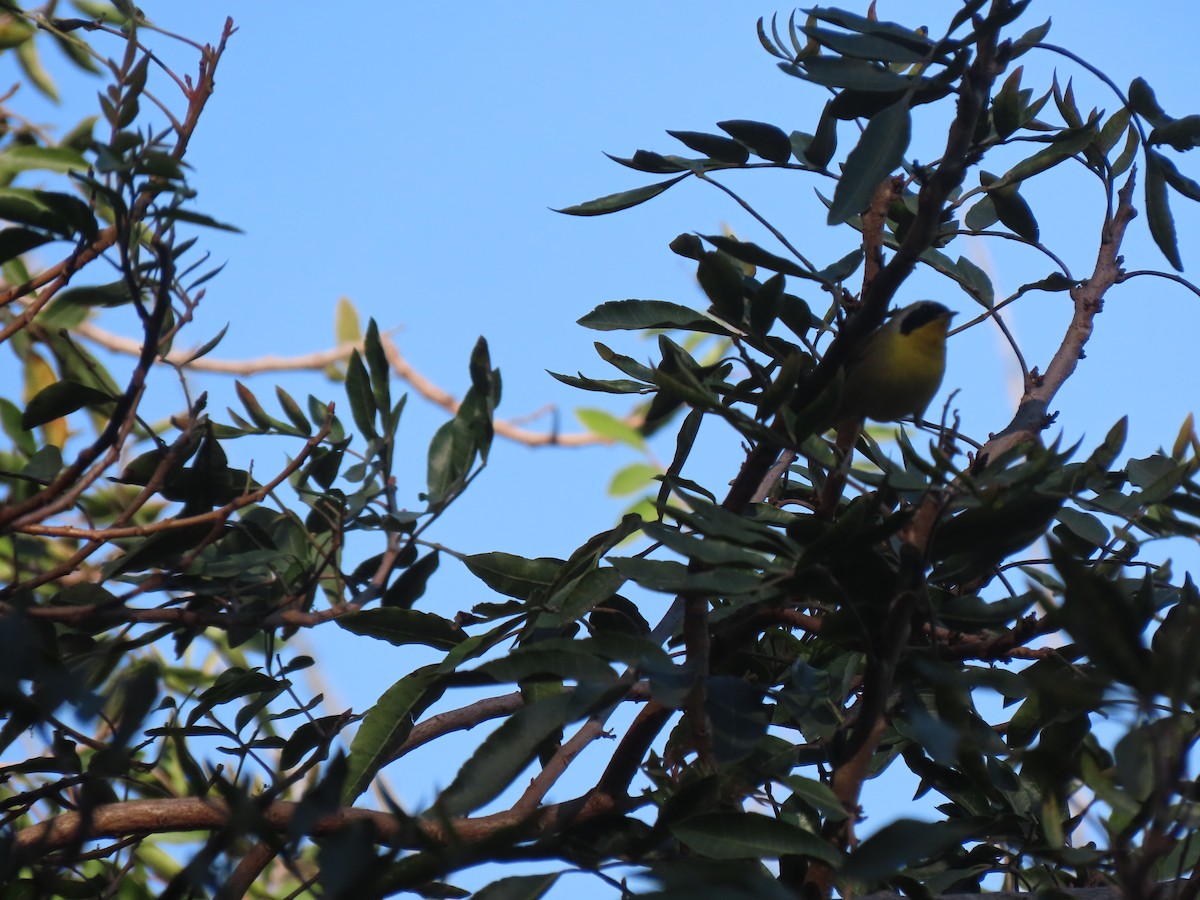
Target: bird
point(897, 368)
point(893, 373)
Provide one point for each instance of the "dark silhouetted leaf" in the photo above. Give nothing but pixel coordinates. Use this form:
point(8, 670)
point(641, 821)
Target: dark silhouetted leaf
point(841, 72)
point(1158, 211)
point(878, 153)
point(409, 586)
point(714, 146)
point(518, 887)
point(636, 315)
point(403, 626)
point(750, 836)
point(756, 256)
point(15, 241)
point(60, 399)
point(647, 161)
point(623, 200)
point(763, 139)
point(1145, 104)
point(512, 575)
point(1066, 144)
point(901, 844)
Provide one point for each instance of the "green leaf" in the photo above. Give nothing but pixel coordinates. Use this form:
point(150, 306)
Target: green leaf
point(177, 214)
point(1015, 213)
point(360, 395)
point(1007, 105)
point(821, 148)
point(43, 465)
point(254, 409)
point(982, 214)
point(1175, 178)
point(1105, 622)
point(290, 407)
point(713, 146)
point(1158, 210)
point(451, 455)
point(606, 425)
point(632, 478)
point(16, 241)
point(60, 399)
point(715, 552)
point(1084, 525)
point(747, 252)
point(685, 438)
point(866, 46)
point(1053, 282)
point(518, 887)
point(386, 727)
point(878, 153)
point(974, 281)
point(623, 200)
point(842, 72)
point(867, 25)
point(646, 161)
point(1066, 144)
point(26, 157)
point(84, 593)
point(505, 753)
point(1033, 36)
point(903, 843)
point(606, 386)
point(380, 370)
point(750, 836)
point(31, 65)
point(403, 626)
point(765, 304)
point(1145, 104)
point(817, 795)
point(1110, 133)
point(104, 295)
point(558, 660)
point(972, 612)
point(626, 364)
point(671, 577)
point(410, 585)
point(63, 214)
point(637, 315)
point(724, 283)
point(10, 419)
point(837, 272)
point(763, 139)
point(211, 344)
point(512, 575)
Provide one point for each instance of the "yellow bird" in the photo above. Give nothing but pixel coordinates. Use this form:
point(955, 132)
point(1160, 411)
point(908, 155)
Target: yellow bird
point(896, 370)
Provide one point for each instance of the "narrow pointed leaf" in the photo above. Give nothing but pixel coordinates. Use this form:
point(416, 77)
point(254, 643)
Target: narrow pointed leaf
point(1158, 211)
point(623, 200)
point(878, 153)
point(751, 836)
point(714, 146)
point(636, 315)
point(386, 726)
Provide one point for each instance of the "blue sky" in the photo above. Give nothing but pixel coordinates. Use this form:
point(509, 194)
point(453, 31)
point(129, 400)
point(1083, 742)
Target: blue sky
point(410, 159)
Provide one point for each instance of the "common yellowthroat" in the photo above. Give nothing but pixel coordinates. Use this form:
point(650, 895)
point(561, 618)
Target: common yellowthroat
point(895, 371)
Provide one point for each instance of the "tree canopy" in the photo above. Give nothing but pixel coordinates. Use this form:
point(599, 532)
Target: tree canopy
point(996, 614)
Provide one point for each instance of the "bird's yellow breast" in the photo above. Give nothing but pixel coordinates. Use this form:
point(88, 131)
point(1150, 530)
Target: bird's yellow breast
point(896, 374)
